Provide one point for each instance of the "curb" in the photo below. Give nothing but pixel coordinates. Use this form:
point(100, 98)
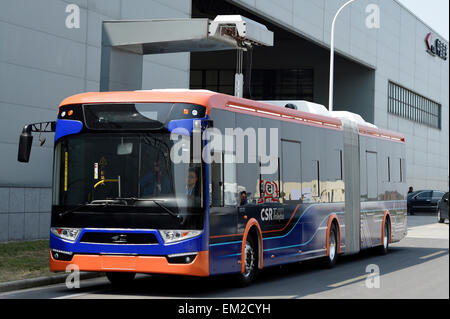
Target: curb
point(43, 281)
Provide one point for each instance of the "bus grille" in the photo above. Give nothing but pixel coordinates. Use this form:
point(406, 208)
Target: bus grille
point(119, 238)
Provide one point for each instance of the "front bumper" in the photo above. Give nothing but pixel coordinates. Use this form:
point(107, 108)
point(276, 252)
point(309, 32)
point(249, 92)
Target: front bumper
point(139, 264)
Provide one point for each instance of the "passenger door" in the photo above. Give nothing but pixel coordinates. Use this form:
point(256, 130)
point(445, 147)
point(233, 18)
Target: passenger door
point(370, 227)
point(223, 214)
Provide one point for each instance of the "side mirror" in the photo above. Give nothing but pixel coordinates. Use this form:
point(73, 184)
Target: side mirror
point(25, 143)
point(26, 138)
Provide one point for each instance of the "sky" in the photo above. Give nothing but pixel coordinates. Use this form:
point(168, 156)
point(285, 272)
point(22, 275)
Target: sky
point(433, 12)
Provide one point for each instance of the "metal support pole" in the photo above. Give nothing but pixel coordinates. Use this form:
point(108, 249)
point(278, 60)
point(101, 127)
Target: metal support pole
point(239, 77)
point(330, 95)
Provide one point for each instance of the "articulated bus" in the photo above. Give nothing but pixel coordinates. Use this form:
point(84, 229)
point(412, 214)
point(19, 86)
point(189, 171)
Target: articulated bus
point(122, 206)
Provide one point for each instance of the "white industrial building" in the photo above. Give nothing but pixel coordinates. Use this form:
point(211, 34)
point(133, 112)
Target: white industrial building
point(388, 75)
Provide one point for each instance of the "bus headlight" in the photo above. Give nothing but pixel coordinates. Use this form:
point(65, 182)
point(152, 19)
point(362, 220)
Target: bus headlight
point(171, 236)
point(66, 233)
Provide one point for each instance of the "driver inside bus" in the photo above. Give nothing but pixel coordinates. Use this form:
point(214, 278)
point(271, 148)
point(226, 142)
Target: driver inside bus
point(155, 182)
point(193, 188)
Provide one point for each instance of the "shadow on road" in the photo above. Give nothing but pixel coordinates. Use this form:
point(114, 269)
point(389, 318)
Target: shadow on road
point(288, 281)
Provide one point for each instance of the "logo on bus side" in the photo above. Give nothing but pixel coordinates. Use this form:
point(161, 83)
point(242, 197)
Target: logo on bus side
point(268, 214)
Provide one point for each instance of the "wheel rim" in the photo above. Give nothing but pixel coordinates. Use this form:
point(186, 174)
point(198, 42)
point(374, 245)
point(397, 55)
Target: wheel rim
point(249, 259)
point(332, 246)
point(385, 237)
point(439, 214)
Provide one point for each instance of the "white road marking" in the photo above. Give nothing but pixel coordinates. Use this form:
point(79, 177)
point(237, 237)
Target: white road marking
point(342, 283)
point(433, 254)
point(77, 295)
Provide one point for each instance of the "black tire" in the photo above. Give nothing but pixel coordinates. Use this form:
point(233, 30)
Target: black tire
point(330, 260)
point(251, 264)
point(439, 218)
point(120, 279)
point(384, 248)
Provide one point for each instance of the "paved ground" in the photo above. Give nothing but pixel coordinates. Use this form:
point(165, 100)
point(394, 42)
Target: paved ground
point(417, 267)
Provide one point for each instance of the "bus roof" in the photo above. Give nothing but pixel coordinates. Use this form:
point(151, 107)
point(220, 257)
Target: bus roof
point(211, 100)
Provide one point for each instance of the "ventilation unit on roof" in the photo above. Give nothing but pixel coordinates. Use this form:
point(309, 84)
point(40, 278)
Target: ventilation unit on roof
point(314, 108)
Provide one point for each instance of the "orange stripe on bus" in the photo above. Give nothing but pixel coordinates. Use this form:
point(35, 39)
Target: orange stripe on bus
point(212, 100)
point(140, 264)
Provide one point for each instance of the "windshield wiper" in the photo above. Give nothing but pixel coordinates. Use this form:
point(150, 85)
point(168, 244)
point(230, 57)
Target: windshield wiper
point(170, 212)
point(70, 211)
point(102, 203)
point(157, 202)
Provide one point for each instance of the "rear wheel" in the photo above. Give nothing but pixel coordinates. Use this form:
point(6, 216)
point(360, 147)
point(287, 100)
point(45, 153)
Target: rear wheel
point(331, 259)
point(120, 279)
point(250, 264)
point(439, 218)
point(385, 240)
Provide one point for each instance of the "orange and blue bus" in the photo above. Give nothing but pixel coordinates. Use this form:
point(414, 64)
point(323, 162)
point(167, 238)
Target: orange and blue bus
point(122, 206)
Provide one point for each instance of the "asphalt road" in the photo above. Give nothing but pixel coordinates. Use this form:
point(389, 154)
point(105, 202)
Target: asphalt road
point(416, 267)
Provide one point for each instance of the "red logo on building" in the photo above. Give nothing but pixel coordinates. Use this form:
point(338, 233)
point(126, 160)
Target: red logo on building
point(435, 46)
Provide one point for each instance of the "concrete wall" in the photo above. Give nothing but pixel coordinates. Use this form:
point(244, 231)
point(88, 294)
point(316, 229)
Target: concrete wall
point(41, 63)
point(397, 52)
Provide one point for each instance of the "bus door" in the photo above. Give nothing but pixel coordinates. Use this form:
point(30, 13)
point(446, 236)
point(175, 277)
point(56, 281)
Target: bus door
point(223, 215)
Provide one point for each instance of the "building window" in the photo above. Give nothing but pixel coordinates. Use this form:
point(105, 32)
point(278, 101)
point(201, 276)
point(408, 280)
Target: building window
point(288, 84)
point(412, 106)
point(388, 169)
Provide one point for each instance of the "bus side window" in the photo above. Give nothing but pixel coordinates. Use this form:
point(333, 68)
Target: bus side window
point(216, 185)
point(223, 187)
point(229, 178)
point(315, 189)
point(269, 184)
point(291, 185)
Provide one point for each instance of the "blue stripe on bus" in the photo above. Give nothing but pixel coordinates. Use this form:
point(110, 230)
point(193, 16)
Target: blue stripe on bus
point(305, 243)
point(304, 213)
point(67, 127)
point(226, 243)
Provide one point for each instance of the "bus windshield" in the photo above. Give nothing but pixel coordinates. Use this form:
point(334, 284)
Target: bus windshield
point(125, 172)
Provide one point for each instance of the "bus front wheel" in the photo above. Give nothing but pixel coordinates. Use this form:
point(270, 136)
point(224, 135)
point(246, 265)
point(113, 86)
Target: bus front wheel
point(120, 279)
